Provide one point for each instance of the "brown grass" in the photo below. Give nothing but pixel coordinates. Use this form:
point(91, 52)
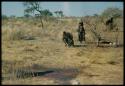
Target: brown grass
point(96, 65)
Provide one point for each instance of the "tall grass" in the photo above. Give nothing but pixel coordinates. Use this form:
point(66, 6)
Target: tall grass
point(21, 29)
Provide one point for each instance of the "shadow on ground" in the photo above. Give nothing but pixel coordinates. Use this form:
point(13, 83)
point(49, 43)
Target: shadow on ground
point(80, 45)
point(60, 75)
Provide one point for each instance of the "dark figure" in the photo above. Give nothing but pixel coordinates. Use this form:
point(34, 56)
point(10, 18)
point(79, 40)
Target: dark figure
point(81, 32)
point(109, 23)
point(68, 39)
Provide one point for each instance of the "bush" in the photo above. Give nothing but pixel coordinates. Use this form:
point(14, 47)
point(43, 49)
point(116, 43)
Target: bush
point(16, 34)
point(114, 12)
point(4, 17)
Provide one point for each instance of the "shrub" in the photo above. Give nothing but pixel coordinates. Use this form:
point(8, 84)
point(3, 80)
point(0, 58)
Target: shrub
point(112, 11)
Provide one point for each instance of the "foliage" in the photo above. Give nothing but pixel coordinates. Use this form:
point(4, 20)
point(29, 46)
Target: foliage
point(112, 12)
point(59, 13)
point(4, 17)
point(33, 7)
point(27, 15)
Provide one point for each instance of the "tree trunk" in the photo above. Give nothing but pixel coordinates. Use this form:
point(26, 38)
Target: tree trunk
point(41, 21)
point(117, 43)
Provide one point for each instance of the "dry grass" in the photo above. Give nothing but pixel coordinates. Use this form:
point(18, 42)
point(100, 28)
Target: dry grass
point(95, 65)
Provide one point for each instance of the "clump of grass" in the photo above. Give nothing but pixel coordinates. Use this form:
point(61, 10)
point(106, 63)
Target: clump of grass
point(79, 53)
point(29, 49)
point(112, 62)
point(16, 34)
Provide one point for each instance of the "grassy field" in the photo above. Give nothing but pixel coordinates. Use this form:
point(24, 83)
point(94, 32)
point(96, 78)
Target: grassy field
point(28, 47)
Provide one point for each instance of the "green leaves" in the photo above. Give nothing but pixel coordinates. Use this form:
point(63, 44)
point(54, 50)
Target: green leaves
point(29, 10)
point(31, 7)
point(46, 13)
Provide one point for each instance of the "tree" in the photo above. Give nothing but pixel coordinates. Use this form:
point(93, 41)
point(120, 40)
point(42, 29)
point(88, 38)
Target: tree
point(46, 13)
point(4, 17)
point(31, 7)
point(27, 15)
point(56, 12)
point(12, 16)
point(109, 15)
point(59, 13)
point(95, 15)
point(112, 12)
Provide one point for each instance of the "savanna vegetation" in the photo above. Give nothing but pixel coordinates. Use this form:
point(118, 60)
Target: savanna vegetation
point(33, 51)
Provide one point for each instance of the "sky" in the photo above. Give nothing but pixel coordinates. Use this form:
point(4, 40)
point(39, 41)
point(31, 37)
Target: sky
point(68, 8)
